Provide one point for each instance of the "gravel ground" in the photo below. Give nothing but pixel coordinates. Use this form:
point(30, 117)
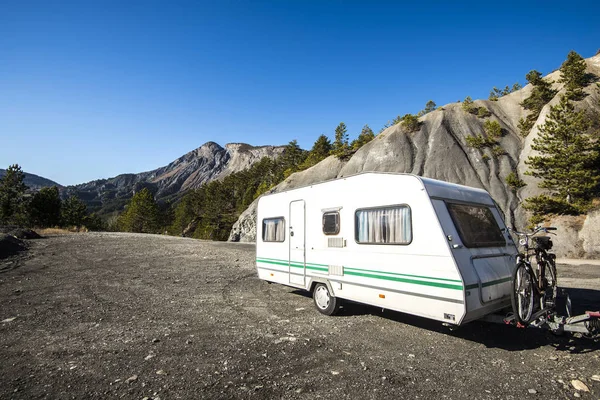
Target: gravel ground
point(131, 316)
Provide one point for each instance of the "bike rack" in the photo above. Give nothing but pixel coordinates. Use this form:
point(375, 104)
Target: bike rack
point(587, 324)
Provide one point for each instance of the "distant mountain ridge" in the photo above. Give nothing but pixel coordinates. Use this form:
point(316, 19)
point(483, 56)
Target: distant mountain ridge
point(35, 182)
point(206, 163)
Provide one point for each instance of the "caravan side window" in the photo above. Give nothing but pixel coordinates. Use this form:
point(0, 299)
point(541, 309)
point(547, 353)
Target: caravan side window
point(331, 223)
point(476, 225)
point(273, 229)
point(383, 225)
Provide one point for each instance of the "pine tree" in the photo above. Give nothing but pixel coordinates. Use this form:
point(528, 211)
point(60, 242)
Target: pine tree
point(365, 136)
point(341, 147)
point(45, 207)
point(292, 157)
point(321, 150)
point(541, 94)
point(573, 75)
point(73, 212)
point(141, 214)
point(430, 106)
point(12, 197)
point(567, 160)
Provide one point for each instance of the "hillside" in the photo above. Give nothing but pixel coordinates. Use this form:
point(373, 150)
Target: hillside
point(204, 164)
point(439, 150)
point(34, 182)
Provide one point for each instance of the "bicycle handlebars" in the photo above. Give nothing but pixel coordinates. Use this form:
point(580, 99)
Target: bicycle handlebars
point(535, 231)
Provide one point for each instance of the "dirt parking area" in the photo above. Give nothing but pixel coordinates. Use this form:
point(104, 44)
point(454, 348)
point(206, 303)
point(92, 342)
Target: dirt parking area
point(131, 316)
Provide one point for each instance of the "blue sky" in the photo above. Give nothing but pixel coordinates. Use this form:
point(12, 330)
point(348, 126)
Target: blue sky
point(90, 90)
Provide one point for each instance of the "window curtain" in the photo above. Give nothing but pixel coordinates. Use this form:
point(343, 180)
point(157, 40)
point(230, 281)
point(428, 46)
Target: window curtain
point(384, 225)
point(273, 230)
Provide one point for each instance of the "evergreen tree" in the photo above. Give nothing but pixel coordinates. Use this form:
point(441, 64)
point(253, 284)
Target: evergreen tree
point(320, 150)
point(365, 136)
point(430, 106)
point(44, 208)
point(73, 212)
point(292, 157)
point(541, 94)
point(573, 75)
point(516, 86)
point(12, 197)
point(341, 148)
point(141, 214)
point(566, 164)
point(467, 104)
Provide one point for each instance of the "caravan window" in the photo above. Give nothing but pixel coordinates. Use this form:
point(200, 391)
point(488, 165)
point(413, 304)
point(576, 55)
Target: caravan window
point(273, 229)
point(331, 223)
point(476, 225)
point(383, 225)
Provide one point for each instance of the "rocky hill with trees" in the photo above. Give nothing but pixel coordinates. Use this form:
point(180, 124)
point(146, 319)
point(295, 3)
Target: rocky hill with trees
point(34, 182)
point(535, 149)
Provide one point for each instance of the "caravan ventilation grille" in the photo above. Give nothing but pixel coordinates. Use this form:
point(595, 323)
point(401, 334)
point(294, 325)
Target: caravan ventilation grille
point(336, 270)
point(335, 242)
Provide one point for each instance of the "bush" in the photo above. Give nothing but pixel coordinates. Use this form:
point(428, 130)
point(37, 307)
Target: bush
point(477, 141)
point(467, 105)
point(497, 150)
point(411, 122)
point(492, 129)
point(483, 112)
point(514, 182)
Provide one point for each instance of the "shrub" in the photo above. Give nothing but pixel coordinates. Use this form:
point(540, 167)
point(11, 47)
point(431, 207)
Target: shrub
point(497, 150)
point(514, 182)
point(492, 129)
point(411, 122)
point(477, 141)
point(467, 104)
point(483, 112)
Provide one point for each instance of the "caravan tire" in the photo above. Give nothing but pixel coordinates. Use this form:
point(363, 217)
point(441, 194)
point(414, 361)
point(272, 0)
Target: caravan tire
point(324, 301)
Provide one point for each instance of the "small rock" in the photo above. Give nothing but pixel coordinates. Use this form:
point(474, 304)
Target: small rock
point(553, 358)
point(11, 319)
point(578, 385)
point(148, 357)
point(300, 309)
point(576, 394)
point(131, 379)
point(596, 378)
point(411, 356)
point(188, 342)
point(160, 372)
point(532, 391)
point(335, 372)
point(155, 340)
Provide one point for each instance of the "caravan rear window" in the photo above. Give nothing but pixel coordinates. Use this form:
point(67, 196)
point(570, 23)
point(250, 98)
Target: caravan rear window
point(273, 229)
point(476, 225)
point(383, 225)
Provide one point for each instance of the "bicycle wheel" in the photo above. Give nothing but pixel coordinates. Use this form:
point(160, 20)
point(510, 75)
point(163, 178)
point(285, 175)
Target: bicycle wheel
point(551, 276)
point(522, 297)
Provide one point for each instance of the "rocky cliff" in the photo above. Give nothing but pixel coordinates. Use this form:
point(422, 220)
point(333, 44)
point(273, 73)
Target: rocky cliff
point(204, 164)
point(439, 150)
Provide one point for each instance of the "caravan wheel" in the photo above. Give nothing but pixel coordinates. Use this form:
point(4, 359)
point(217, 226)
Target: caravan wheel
point(324, 301)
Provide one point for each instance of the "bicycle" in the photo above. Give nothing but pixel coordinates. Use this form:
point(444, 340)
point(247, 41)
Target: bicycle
point(531, 284)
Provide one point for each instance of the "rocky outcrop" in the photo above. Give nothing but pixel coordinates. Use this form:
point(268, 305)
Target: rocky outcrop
point(204, 164)
point(439, 150)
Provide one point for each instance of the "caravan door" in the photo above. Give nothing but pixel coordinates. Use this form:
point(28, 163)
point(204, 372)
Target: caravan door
point(297, 254)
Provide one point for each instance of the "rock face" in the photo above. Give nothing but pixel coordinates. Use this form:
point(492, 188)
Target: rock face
point(204, 164)
point(34, 182)
point(439, 150)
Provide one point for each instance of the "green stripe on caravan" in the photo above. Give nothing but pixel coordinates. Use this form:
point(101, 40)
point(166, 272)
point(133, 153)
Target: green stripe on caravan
point(374, 274)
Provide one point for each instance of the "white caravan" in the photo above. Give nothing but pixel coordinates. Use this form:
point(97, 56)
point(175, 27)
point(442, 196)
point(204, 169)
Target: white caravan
point(396, 241)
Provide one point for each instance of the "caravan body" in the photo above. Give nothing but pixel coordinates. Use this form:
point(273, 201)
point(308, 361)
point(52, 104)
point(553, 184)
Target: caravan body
point(396, 241)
